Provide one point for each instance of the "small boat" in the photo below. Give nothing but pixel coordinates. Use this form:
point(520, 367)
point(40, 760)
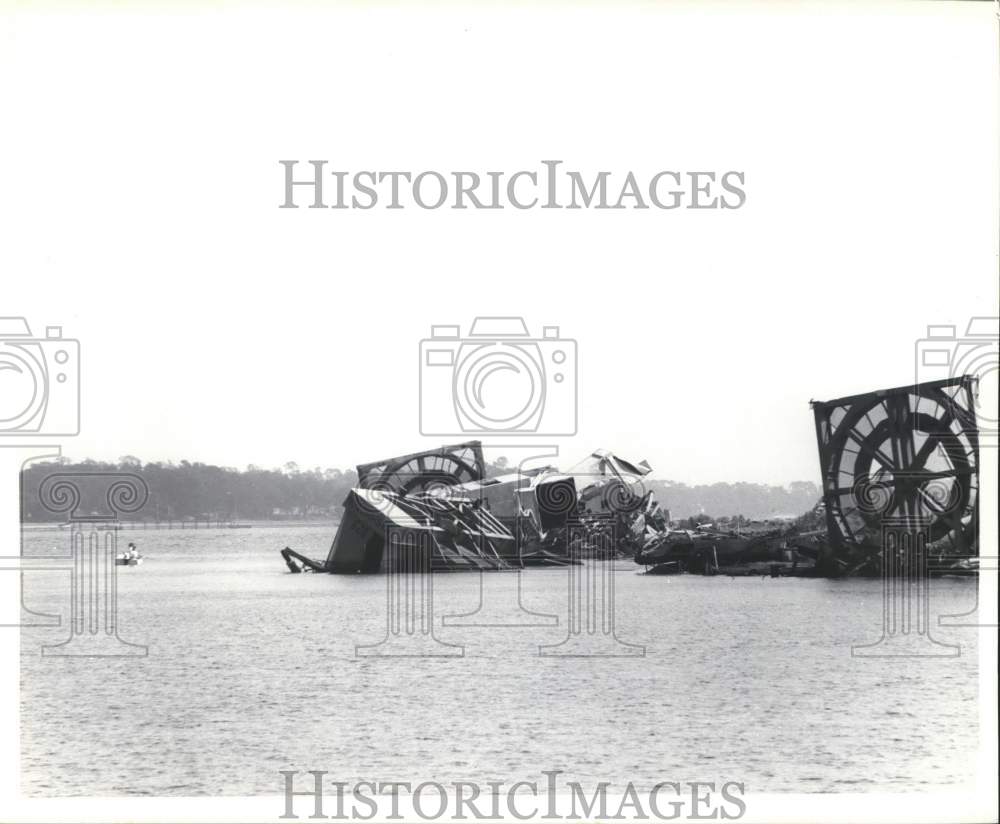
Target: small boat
point(125, 560)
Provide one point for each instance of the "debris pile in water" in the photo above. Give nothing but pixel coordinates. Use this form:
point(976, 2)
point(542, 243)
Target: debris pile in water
point(439, 507)
point(900, 487)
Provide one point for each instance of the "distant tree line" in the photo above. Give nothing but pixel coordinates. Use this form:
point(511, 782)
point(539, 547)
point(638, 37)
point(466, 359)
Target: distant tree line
point(191, 491)
point(195, 491)
point(757, 501)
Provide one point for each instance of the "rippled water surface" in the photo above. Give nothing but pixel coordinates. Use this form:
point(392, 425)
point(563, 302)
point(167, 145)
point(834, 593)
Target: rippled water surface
point(251, 670)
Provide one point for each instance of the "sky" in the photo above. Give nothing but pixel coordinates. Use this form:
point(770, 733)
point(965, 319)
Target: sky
point(141, 192)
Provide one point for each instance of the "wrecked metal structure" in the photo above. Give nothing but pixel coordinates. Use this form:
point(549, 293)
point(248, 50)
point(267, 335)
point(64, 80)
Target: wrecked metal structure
point(898, 465)
point(423, 471)
point(614, 508)
point(780, 551)
point(904, 457)
point(440, 501)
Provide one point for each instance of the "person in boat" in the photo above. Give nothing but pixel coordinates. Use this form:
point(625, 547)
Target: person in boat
point(132, 552)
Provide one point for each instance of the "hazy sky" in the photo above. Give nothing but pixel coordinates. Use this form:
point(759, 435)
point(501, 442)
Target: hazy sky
point(141, 186)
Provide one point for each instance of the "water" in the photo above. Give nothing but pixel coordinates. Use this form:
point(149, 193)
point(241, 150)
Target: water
point(252, 670)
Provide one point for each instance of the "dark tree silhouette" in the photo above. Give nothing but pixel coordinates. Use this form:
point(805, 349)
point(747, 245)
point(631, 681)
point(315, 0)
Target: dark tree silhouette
point(189, 491)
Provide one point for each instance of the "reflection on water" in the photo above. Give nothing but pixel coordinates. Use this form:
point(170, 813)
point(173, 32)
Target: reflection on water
point(252, 670)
